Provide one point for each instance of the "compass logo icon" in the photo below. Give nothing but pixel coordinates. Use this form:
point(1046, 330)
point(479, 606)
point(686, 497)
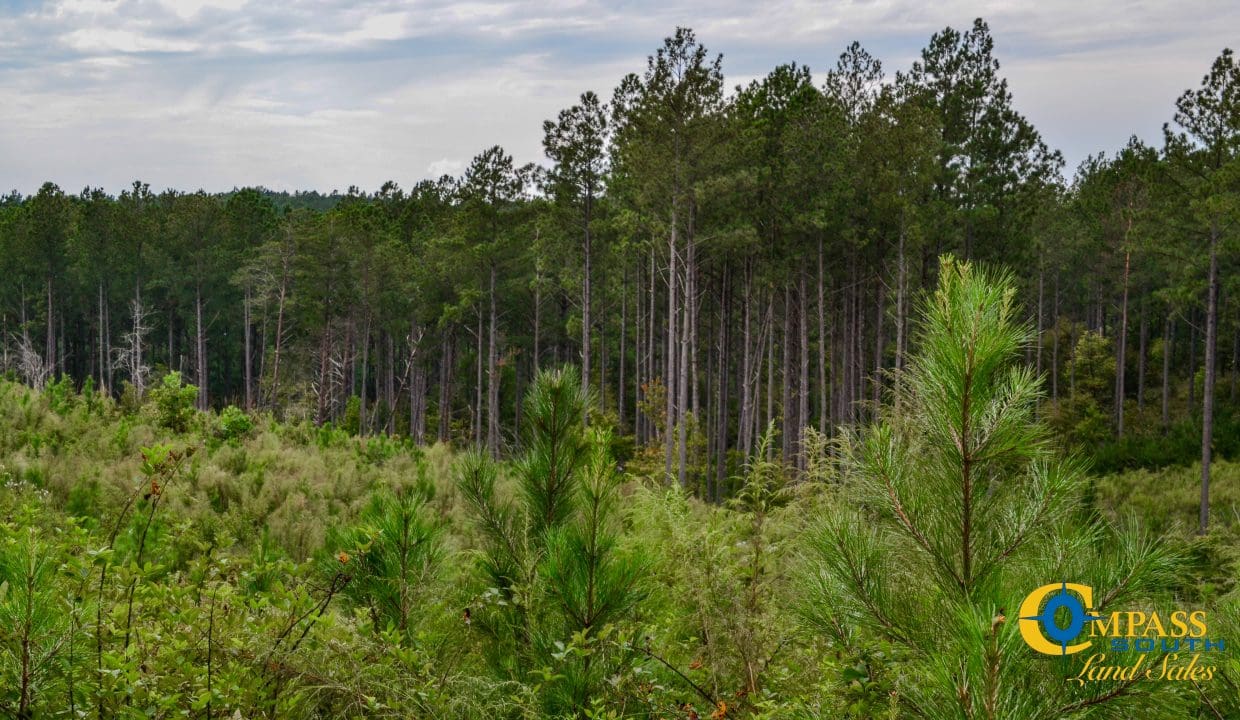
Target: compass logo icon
point(1054, 615)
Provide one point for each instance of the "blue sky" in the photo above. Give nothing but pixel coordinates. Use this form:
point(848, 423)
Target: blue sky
point(324, 94)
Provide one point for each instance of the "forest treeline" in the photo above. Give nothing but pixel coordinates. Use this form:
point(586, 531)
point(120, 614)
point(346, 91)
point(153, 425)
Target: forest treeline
point(715, 260)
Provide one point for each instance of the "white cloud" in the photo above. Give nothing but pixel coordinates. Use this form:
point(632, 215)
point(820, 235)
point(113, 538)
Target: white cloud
point(328, 93)
point(445, 166)
point(97, 40)
point(186, 9)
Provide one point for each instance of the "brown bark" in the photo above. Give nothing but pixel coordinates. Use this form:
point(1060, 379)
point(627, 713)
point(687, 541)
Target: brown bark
point(682, 382)
point(669, 356)
point(492, 374)
point(786, 375)
point(1168, 338)
point(248, 360)
point(446, 364)
point(745, 424)
point(624, 321)
point(1121, 344)
point(823, 389)
point(803, 379)
point(1142, 351)
point(200, 348)
point(1207, 394)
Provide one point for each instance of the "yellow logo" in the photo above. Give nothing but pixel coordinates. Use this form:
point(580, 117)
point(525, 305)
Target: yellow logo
point(1039, 626)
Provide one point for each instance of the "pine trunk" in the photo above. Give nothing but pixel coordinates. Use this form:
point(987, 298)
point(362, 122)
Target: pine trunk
point(446, 363)
point(669, 356)
point(1142, 351)
point(200, 348)
point(492, 375)
point(1207, 393)
point(1121, 359)
point(1168, 337)
point(248, 361)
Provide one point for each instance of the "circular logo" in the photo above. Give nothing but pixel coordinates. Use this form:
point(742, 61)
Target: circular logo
point(1040, 627)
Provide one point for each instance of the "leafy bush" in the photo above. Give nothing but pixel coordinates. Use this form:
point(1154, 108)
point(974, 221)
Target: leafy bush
point(173, 401)
point(1180, 445)
point(233, 424)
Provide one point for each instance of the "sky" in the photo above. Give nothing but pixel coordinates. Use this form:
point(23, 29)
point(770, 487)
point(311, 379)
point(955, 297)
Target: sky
point(325, 94)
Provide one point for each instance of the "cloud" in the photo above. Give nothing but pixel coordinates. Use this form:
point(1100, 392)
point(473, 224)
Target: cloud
point(445, 166)
point(327, 93)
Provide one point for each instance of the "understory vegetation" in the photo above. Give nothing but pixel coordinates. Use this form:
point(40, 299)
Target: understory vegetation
point(161, 561)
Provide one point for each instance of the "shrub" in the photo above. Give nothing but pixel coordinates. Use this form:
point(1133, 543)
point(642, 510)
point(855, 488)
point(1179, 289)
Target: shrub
point(233, 424)
point(174, 402)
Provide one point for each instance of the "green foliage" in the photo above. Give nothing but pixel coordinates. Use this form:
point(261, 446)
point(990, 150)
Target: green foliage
point(233, 424)
point(559, 589)
point(392, 554)
point(1152, 447)
point(351, 423)
point(1084, 416)
point(955, 507)
point(173, 402)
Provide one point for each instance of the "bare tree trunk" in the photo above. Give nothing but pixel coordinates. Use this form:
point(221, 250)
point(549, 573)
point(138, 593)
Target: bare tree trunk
point(1055, 346)
point(537, 316)
point(478, 356)
point(859, 350)
point(695, 303)
point(172, 355)
point(275, 358)
point(361, 420)
point(745, 422)
point(880, 313)
point(417, 385)
point(1207, 394)
point(823, 389)
point(1121, 360)
point(803, 380)
point(200, 348)
point(1038, 363)
point(248, 373)
point(49, 357)
point(639, 366)
point(682, 382)
point(1168, 337)
point(102, 350)
point(138, 331)
point(324, 344)
point(109, 363)
point(837, 333)
point(624, 320)
point(1142, 351)
point(770, 371)
point(492, 377)
point(652, 342)
point(586, 319)
point(389, 424)
point(1192, 363)
point(786, 376)
point(901, 304)
point(721, 399)
point(602, 364)
point(446, 363)
point(669, 359)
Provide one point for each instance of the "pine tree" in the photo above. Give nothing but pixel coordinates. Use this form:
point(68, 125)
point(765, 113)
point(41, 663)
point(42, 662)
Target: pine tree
point(954, 509)
point(557, 584)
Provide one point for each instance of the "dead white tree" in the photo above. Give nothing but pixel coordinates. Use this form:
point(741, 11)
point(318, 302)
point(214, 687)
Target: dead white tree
point(29, 363)
point(129, 352)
